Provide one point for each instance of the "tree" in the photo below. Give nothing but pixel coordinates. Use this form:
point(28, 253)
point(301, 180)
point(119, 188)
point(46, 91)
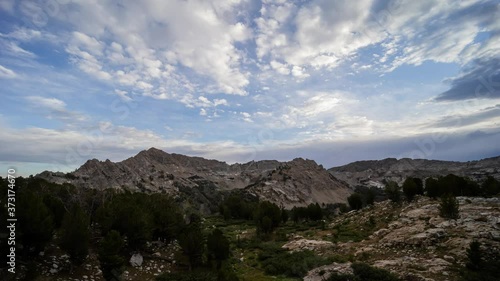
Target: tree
point(448, 208)
point(284, 215)
point(355, 201)
point(110, 258)
point(370, 197)
point(474, 256)
point(192, 244)
point(314, 212)
point(217, 247)
point(35, 223)
point(432, 187)
point(75, 235)
point(273, 214)
point(410, 189)
point(490, 186)
point(392, 191)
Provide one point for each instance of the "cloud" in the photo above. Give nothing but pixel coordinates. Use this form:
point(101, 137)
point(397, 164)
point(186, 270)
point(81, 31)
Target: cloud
point(481, 80)
point(53, 108)
point(7, 73)
point(159, 41)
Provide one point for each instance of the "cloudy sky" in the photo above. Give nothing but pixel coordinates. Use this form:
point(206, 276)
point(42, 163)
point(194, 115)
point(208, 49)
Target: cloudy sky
point(238, 80)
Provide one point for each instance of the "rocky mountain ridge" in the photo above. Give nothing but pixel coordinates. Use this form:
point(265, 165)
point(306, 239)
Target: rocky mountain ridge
point(376, 172)
point(294, 183)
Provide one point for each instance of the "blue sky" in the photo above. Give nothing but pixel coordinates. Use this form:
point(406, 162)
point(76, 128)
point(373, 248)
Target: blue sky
point(236, 80)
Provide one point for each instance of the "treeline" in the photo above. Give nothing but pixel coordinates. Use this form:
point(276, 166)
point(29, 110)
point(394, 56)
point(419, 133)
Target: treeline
point(122, 223)
point(445, 186)
point(267, 215)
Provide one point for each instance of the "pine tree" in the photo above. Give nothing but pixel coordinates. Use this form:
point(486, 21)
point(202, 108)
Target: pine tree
point(217, 247)
point(75, 234)
point(111, 261)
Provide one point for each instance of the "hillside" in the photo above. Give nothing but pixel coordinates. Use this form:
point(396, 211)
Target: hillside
point(376, 172)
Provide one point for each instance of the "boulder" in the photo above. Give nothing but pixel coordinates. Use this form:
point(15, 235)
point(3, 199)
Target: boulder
point(136, 260)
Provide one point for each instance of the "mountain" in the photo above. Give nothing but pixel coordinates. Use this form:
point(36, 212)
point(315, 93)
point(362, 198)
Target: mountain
point(376, 172)
point(300, 182)
point(201, 181)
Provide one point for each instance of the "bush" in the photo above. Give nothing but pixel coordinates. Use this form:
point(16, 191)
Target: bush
point(296, 264)
point(448, 208)
point(355, 201)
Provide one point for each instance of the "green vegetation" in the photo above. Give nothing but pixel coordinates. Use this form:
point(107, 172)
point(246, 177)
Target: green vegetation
point(277, 261)
point(392, 190)
point(448, 208)
point(242, 242)
point(75, 227)
point(355, 201)
point(110, 256)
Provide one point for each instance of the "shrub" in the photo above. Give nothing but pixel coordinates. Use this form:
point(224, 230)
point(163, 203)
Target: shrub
point(431, 187)
point(448, 208)
point(296, 264)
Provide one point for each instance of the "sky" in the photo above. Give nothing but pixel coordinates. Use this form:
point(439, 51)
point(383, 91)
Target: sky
point(242, 80)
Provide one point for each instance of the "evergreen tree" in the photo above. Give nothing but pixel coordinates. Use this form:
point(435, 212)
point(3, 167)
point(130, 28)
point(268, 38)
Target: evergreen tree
point(75, 235)
point(474, 255)
point(271, 212)
point(110, 258)
point(410, 189)
point(370, 197)
point(448, 208)
point(217, 247)
point(432, 187)
point(355, 201)
point(490, 187)
point(192, 244)
point(35, 223)
point(392, 192)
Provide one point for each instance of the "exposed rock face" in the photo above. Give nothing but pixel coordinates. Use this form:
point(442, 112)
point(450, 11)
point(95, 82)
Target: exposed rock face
point(414, 242)
point(372, 173)
point(295, 183)
point(306, 244)
point(298, 183)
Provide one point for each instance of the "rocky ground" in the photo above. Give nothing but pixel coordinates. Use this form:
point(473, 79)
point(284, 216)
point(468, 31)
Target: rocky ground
point(412, 240)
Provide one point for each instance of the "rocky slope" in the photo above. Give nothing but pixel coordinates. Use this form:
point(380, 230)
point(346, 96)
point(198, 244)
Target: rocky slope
point(374, 172)
point(295, 183)
point(298, 183)
point(411, 240)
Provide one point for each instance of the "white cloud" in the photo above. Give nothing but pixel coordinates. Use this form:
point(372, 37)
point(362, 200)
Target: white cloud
point(7, 73)
point(208, 48)
point(53, 108)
